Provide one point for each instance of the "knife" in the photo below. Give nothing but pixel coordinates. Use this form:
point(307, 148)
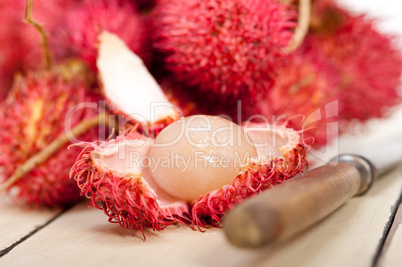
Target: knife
point(281, 212)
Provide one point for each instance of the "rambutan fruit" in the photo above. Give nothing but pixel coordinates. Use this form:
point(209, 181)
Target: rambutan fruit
point(19, 43)
point(368, 64)
point(342, 59)
point(87, 20)
point(224, 47)
point(117, 174)
point(33, 115)
point(303, 87)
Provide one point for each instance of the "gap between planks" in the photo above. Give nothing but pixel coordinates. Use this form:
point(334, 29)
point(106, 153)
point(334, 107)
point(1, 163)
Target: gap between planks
point(30, 234)
point(389, 251)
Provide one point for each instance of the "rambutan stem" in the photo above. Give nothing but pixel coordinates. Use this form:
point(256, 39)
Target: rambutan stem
point(53, 147)
point(47, 58)
point(302, 26)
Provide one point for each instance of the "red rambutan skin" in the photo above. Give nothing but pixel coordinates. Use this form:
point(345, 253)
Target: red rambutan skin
point(126, 200)
point(88, 20)
point(32, 116)
point(368, 65)
point(20, 46)
point(344, 59)
point(223, 47)
point(303, 86)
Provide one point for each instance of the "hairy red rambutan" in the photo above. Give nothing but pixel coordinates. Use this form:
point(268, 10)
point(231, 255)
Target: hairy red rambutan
point(121, 185)
point(303, 87)
point(342, 59)
point(86, 21)
point(368, 65)
point(224, 47)
point(20, 43)
point(34, 114)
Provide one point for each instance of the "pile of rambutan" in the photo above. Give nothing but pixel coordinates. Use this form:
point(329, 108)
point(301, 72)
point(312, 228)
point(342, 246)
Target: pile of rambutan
point(156, 67)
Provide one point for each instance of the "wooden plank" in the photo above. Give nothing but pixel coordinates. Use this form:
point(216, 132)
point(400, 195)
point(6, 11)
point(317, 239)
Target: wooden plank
point(17, 221)
point(81, 236)
point(391, 252)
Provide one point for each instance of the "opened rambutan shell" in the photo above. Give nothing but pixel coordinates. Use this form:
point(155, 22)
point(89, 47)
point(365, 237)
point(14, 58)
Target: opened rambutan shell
point(125, 195)
point(223, 47)
point(33, 115)
point(86, 21)
point(129, 89)
point(130, 197)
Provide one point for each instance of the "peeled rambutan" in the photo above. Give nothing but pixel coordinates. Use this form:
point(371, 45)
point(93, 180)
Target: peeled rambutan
point(37, 111)
point(117, 177)
point(223, 47)
point(86, 21)
point(368, 64)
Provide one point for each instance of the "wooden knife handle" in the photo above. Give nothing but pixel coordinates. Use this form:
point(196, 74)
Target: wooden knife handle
point(283, 211)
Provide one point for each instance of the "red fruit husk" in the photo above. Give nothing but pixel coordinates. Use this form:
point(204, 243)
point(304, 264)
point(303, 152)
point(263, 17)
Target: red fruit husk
point(88, 20)
point(223, 47)
point(303, 86)
point(20, 43)
point(33, 115)
point(126, 198)
point(367, 62)
point(123, 78)
point(343, 59)
point(130, 199)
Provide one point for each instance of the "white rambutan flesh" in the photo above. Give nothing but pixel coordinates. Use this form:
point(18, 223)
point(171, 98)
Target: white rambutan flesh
point(198, 154)
point(127, 83)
